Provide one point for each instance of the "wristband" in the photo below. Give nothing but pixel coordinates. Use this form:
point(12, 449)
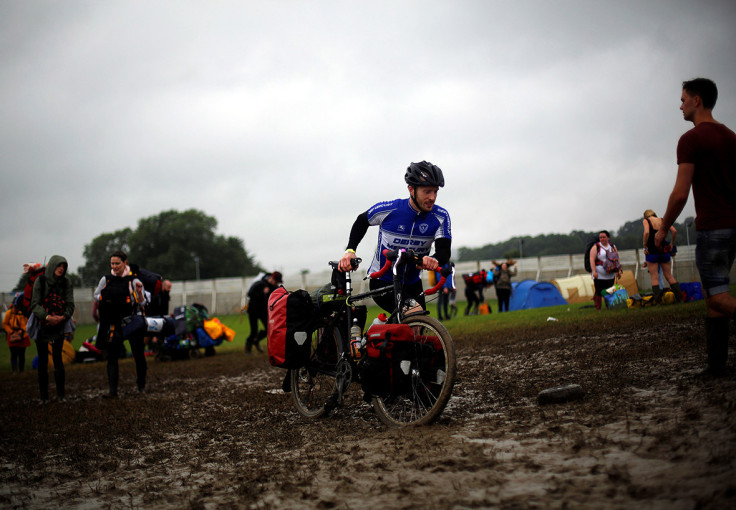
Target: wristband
point(350, 251)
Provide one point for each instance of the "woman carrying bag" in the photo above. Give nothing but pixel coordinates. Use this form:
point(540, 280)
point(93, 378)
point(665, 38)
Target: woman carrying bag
point(14, 324)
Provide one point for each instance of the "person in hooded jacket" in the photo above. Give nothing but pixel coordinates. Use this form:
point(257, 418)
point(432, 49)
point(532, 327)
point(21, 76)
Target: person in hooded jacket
point(52, 303)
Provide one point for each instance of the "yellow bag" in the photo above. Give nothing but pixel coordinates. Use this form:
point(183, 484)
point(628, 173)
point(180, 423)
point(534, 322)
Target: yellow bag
point(216, 329)
point(68, 354)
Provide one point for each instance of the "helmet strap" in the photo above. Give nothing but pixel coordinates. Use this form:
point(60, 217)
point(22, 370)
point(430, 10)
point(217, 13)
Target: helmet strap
point(413, 195)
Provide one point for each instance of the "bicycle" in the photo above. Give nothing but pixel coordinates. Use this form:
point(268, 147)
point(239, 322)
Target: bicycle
point(427, 364)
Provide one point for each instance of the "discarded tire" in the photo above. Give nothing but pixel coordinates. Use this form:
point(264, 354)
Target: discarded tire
point(560, 394)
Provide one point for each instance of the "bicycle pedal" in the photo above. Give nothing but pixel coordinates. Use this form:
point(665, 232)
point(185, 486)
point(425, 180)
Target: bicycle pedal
point(331, 403)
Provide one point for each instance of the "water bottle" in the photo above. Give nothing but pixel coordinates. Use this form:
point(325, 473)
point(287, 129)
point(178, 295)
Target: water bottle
point(355, 340)
point(381, 319)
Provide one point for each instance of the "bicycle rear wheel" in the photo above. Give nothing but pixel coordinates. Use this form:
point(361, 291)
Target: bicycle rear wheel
point(433, 370)
point(312, 384)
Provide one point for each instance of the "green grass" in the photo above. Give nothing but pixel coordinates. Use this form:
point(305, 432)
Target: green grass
point(478, 326)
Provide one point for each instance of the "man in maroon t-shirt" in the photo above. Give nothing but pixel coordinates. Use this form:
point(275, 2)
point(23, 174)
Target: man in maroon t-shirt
point(706, 159)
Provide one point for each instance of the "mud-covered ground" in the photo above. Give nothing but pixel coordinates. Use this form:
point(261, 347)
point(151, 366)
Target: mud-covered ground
point(651, 432)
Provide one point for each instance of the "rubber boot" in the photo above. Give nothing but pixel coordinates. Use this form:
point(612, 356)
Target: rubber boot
point(597, 300)
point(716, 336)
point(248, 345)
point(258, 346)
point(656, 294)
point(113, 374)
point(60, 380)
point(678, 293)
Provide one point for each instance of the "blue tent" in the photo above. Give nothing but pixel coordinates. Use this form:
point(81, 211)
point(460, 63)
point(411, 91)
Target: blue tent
point(532, 294)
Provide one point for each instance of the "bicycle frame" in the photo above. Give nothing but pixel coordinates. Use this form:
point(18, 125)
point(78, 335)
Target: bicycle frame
point(340, 366)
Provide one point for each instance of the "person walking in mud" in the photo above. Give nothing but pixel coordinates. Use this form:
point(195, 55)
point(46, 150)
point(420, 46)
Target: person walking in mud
point(52, 304)
point(120, 295)
point(706, 162)
point(257, 309)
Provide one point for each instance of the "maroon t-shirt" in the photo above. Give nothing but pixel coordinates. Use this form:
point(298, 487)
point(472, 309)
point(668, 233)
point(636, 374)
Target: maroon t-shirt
point(711, 148)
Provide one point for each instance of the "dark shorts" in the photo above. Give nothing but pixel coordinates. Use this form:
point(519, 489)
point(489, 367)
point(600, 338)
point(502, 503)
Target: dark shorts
point(658, 258)
point(714, 256)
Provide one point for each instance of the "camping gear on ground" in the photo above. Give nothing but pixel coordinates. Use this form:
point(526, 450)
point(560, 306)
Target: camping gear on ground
point(290, 316)
point(579, 288)
point(693, 291)
point(483, 309)
point(88, 352)
point(532, 294)
point(68, 355)
point(192, 329)
point(617, 299)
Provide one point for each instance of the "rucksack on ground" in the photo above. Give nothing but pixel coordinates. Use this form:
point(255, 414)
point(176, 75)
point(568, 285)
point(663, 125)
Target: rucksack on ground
point(290, 327)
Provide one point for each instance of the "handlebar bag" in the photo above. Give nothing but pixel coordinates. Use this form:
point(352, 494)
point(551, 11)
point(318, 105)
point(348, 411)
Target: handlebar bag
point(290, 326)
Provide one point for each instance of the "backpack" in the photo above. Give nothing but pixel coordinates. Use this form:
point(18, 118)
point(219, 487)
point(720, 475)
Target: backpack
point(115, 301)
point(586, 255)
point(612, 264)
point(290, 327)
point(22, 301)
point(151, 281)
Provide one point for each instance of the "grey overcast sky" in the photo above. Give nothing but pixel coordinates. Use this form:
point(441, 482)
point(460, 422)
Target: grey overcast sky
point(286, 119)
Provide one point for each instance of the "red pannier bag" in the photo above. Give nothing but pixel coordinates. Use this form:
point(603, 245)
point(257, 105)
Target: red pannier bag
point(393, 351)
point(290, 319)
point(381, 339)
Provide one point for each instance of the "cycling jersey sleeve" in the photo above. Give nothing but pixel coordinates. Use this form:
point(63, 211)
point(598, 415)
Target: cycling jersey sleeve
point(357, 232)
point(443, 250)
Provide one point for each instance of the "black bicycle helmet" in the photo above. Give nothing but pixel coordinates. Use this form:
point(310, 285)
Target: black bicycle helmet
point(424, 174)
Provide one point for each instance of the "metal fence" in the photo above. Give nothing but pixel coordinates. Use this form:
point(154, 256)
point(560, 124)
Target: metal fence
point(223, 296)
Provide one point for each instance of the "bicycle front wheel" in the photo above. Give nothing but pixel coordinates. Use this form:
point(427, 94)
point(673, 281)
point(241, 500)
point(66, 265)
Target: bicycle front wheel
point(433, 370)
point(313, 384)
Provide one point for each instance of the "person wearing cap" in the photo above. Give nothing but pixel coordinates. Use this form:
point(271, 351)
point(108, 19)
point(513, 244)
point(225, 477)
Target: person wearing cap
point(257, 308)
point(414, 223)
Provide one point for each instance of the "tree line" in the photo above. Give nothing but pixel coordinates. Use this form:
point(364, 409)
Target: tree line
point(628, 237)
point(176, 245)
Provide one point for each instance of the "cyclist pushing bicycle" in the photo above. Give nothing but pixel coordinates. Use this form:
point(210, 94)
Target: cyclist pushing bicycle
point(406, 364)
point(413, 223)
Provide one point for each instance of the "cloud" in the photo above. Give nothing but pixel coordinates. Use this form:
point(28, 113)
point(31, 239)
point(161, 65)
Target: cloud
point(284, 120)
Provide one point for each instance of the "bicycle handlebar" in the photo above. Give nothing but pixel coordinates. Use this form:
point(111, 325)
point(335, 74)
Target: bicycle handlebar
point(409, 257)
point(354, 263)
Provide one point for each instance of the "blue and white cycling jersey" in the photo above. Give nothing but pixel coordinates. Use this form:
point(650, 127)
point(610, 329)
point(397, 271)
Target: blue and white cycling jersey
point(400, 226)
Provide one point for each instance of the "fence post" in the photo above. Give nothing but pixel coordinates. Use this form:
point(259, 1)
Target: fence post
point(214, 296)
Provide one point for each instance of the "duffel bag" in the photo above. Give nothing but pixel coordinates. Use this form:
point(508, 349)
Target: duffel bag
point(290, 320)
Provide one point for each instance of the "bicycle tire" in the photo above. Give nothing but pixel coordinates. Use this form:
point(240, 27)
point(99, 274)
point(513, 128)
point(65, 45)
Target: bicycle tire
point(431, 387)
point(314, 383)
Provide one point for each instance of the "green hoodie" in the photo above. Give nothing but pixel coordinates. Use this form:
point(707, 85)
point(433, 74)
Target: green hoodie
point(62, 286)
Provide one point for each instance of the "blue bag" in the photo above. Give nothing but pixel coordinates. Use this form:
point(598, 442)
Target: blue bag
point(617, 300)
